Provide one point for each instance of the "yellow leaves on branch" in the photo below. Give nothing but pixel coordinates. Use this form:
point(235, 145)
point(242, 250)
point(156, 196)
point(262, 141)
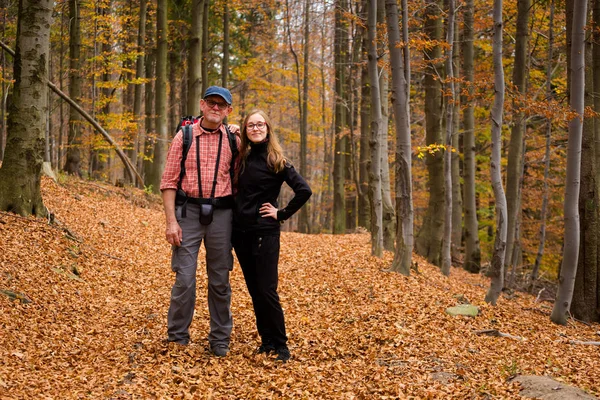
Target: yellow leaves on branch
point(433, 149)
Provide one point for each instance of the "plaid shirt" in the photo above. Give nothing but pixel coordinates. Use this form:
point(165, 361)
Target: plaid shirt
point(209, 141)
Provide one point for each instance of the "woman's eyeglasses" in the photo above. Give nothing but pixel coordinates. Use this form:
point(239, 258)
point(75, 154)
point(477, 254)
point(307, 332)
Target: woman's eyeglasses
point(258, 125)
point(212, 104)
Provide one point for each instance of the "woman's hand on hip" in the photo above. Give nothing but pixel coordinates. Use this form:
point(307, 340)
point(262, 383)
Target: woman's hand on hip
point(268, 210)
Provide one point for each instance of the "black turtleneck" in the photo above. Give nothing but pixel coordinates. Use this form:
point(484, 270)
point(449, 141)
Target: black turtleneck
point(258, 184)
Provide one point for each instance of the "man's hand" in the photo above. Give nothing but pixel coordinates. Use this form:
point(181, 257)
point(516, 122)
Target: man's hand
point(173, 233)
point(268, 210)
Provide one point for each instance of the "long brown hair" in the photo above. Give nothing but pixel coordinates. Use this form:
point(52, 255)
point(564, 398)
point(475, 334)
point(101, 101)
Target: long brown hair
point(275, 158)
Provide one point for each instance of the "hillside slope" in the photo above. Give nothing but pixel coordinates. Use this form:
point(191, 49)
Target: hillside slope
point(95, 290)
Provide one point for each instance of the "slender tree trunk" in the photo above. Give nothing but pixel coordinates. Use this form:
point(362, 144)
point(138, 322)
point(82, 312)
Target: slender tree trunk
point(447, 242)
point(341, 139)
point(195, 59)
point(514, 167)
point(429, 238)
point(225, 60)
point(568, 268)
point(496, 272)
point(205, 37)
point(400, 104)
point(457, 198)
point(3, 86)
point(549, 96)
point(20, 175)
point(472, 249)
point(389, 213)
point(73, 161)
point(160, 148)
point(139, 88)
point(376, 137)
point(586, 302)
point(364, 204)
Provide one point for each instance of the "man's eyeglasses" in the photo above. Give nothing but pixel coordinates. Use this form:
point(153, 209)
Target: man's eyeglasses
point(258, 125)
point(212, 104)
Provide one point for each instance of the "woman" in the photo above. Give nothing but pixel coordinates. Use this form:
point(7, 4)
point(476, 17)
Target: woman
point(256, 224)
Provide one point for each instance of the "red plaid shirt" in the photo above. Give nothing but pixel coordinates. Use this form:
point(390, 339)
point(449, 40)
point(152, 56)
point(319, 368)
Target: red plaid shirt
point(209, 142)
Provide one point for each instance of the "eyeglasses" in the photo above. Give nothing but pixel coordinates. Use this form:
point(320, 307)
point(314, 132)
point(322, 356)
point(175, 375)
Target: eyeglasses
point(212, 104)
point(258, 125)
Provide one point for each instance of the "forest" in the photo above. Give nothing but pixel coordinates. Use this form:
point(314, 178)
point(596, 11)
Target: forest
point(449, 249)
point(464, 131)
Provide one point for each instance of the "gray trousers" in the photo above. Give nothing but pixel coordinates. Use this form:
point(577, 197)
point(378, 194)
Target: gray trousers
point(219, 262)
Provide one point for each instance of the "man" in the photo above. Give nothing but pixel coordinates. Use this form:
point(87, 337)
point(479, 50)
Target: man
point(201, 212)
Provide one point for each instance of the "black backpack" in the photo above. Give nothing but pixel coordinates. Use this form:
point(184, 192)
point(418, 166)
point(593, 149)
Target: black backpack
point(185, 125)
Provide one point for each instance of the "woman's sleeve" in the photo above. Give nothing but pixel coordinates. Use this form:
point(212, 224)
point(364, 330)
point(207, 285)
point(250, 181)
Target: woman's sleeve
point(301, 190)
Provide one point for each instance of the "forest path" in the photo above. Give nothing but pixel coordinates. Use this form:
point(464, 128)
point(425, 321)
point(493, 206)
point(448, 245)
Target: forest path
point(99, 286)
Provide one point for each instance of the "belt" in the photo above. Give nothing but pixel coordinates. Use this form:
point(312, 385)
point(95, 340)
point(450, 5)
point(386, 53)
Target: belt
point(225, 202)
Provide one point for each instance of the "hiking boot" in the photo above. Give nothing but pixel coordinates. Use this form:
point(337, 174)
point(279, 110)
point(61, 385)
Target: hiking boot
point(265, 348)
point(283, 354)
point(219, 350)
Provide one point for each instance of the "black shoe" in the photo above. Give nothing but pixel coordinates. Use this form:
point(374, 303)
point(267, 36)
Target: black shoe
point(266, 348)
point(283, 354)
point(219, 350)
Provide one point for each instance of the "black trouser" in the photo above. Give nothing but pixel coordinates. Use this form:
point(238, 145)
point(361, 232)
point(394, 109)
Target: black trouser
point(258, 256)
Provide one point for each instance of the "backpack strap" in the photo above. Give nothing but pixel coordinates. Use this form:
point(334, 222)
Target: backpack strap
point(186, 131)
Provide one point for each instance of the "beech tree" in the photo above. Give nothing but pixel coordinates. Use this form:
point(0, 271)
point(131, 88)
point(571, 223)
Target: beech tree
point(447, 241)
point(340, 136)
point(73, 161)
point(514, 169)
point(195, 59)
point(586, 292)
point(375, 193)
point(545, 194)
point(568, 269)
point(154, 174)
point(428, 242)
point(472, 261)
point(20, 174)
point(496, 271)
point(400, 62)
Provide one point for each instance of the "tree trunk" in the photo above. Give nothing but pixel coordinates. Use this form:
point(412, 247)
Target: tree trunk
point(20, 175)
point(549, 96)
point(376, 137)
point(139, 87)
point(205, 44)
point(225, 59)
point(3, 87)
point(585, 305)
point(568, 268)
point(389, 214)
point(195, 59)
point(364, 204)
point(472, 261)
point(429, 238)
point(341, 139)
point(457, 198)
point(73, 160)
point(400, 104)
point(447, 242)
point(160, 147)
point(496, 272)
point(514, 169)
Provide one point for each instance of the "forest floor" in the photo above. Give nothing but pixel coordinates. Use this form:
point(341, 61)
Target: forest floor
point(93, 290)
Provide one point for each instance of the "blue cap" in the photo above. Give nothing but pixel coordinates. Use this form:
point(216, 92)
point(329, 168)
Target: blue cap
point(218, 91)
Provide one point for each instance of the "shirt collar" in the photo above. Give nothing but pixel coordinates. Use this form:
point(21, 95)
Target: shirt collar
point(198, 130)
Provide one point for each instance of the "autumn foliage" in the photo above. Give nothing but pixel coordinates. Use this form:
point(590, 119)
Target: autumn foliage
point(93, 291)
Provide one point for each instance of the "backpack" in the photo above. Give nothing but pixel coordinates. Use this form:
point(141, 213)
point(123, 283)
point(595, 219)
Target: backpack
point(186, 126)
